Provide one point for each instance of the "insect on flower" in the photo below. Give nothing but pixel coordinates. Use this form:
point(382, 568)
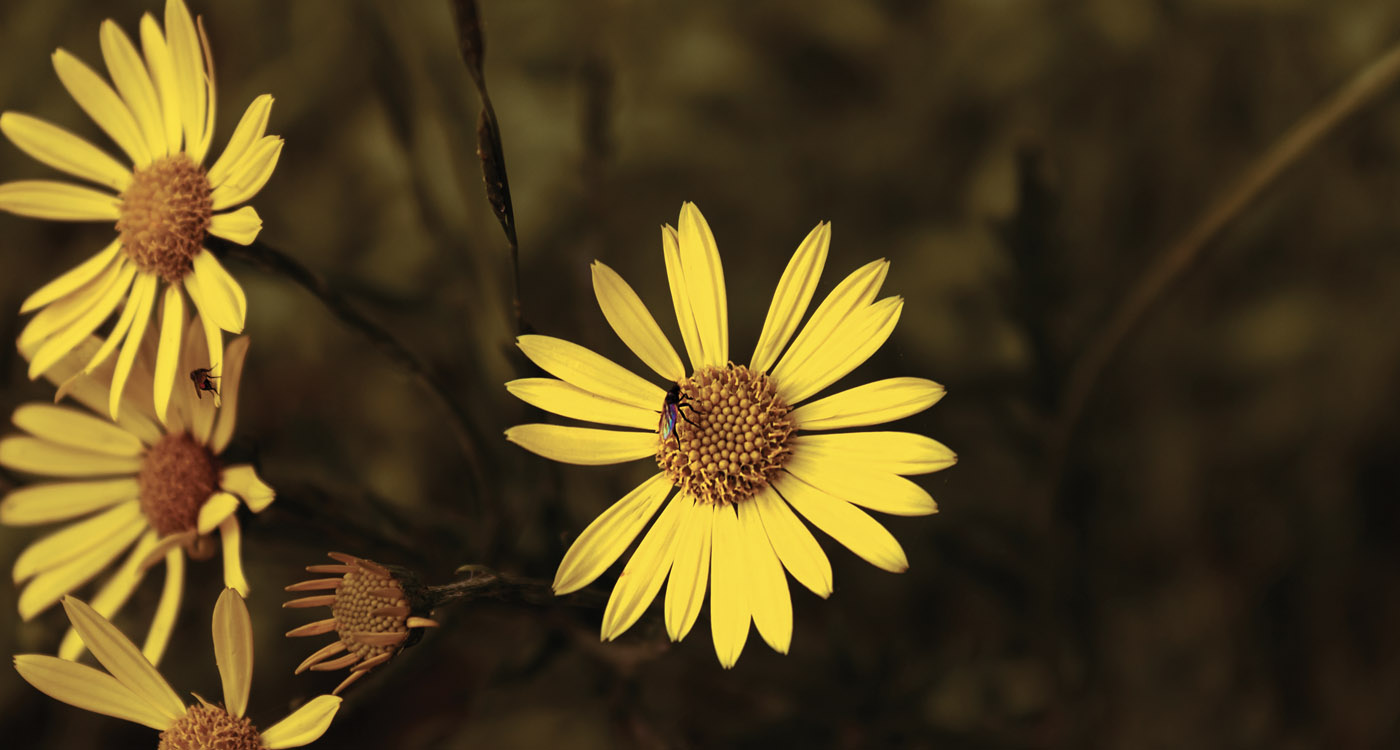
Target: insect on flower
point(203, 381)
point(670, 410)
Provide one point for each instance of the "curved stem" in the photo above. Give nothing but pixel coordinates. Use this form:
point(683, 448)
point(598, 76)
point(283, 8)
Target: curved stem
point(278, 262)
point(485, 583)
point(1361, 90)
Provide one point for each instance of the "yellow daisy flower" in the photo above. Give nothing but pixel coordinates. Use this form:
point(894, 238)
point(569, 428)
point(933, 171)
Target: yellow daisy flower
point(730, 437)
point(133, 482)
point(161, 115)
point(133, 690)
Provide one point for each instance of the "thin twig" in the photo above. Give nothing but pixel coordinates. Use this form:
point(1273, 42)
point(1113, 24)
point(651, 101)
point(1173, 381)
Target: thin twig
point(282, 264)
point(1361, 90)
point(485, 583)
point(488, 142)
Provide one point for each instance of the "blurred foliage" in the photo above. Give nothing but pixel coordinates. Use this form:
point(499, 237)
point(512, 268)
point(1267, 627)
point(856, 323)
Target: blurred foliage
point(1218, 567)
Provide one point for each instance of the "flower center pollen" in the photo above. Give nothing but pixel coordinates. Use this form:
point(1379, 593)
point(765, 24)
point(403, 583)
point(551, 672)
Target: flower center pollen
point(364, 591)
point(165, 212)
point(206, 727)
point(177, 476)
point(731, 435)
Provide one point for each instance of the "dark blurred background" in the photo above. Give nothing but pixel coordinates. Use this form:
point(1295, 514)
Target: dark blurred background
point(1207, 561)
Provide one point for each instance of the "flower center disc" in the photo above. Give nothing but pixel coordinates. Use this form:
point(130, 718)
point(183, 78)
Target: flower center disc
point(177, 476)
point(731, 435)
point(361, 593)
point(164, 215)
point(206, 727)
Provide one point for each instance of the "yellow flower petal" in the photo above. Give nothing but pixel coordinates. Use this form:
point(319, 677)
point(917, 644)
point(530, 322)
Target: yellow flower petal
point(680, 298)
point(873, 403)
point(59, 501)
point(729, 588)
point(162, 67)
point(62, 313)
point(197, 412)
point(243, 481)
point(172, 329)
point(76, 429)
point(134, 85)
point(83, 687)
point(634, 324)
point(51, 585)
point(64, 151)
point(853, 293)
point(903, 453)
point(304, 726)
point(851, 344)
point(560, 398)
point(233, 650)
point(208, 353)
point(72, 541)
point(229, 383)
point(241, 226)
point(220, 292)
point(219, 506)
point(72, 279)
point(251, 128)
point(119, 655)
point(768, 596)
point(794, 293)
point(123, 326)
point(113, 594)
point(35, 456)
point(610, 534)
point(249, 174)
point(796, 547)
point(93, 389)
point(858, 483)
point(643, 575)
point(690, 570)
point(63, 342)
point(845, 523)
point(173, 542)
point(590, 371)
point(232, 537)
point(143, 295)
point(103, 105)
point(163, 624)
point(59, 201)
point(704, 280)
point(187, 55)
point(577, 445)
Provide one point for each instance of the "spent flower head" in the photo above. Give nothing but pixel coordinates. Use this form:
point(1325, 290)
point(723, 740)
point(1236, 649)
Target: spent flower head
point(157, 490)
point(161, 115)
point(132, 689)
point(732, 442)
point(372, 614)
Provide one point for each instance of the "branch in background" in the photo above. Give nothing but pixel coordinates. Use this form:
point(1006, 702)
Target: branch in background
point(282, 264)
point(1374, 80)
point(488, 142)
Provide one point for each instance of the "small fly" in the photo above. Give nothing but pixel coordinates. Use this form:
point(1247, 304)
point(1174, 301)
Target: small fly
point(203, 381)
point(671, 410)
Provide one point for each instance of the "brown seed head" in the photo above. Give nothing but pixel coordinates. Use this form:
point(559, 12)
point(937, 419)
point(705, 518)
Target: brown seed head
point(177, 475)
point(165, 213)
point(207, 727)
point(369, 600)
point(372, 608)
point(739, 441)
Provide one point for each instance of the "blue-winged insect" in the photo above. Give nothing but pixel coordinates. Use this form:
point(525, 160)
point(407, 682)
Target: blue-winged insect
point(671, 412)
point(203, 381)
